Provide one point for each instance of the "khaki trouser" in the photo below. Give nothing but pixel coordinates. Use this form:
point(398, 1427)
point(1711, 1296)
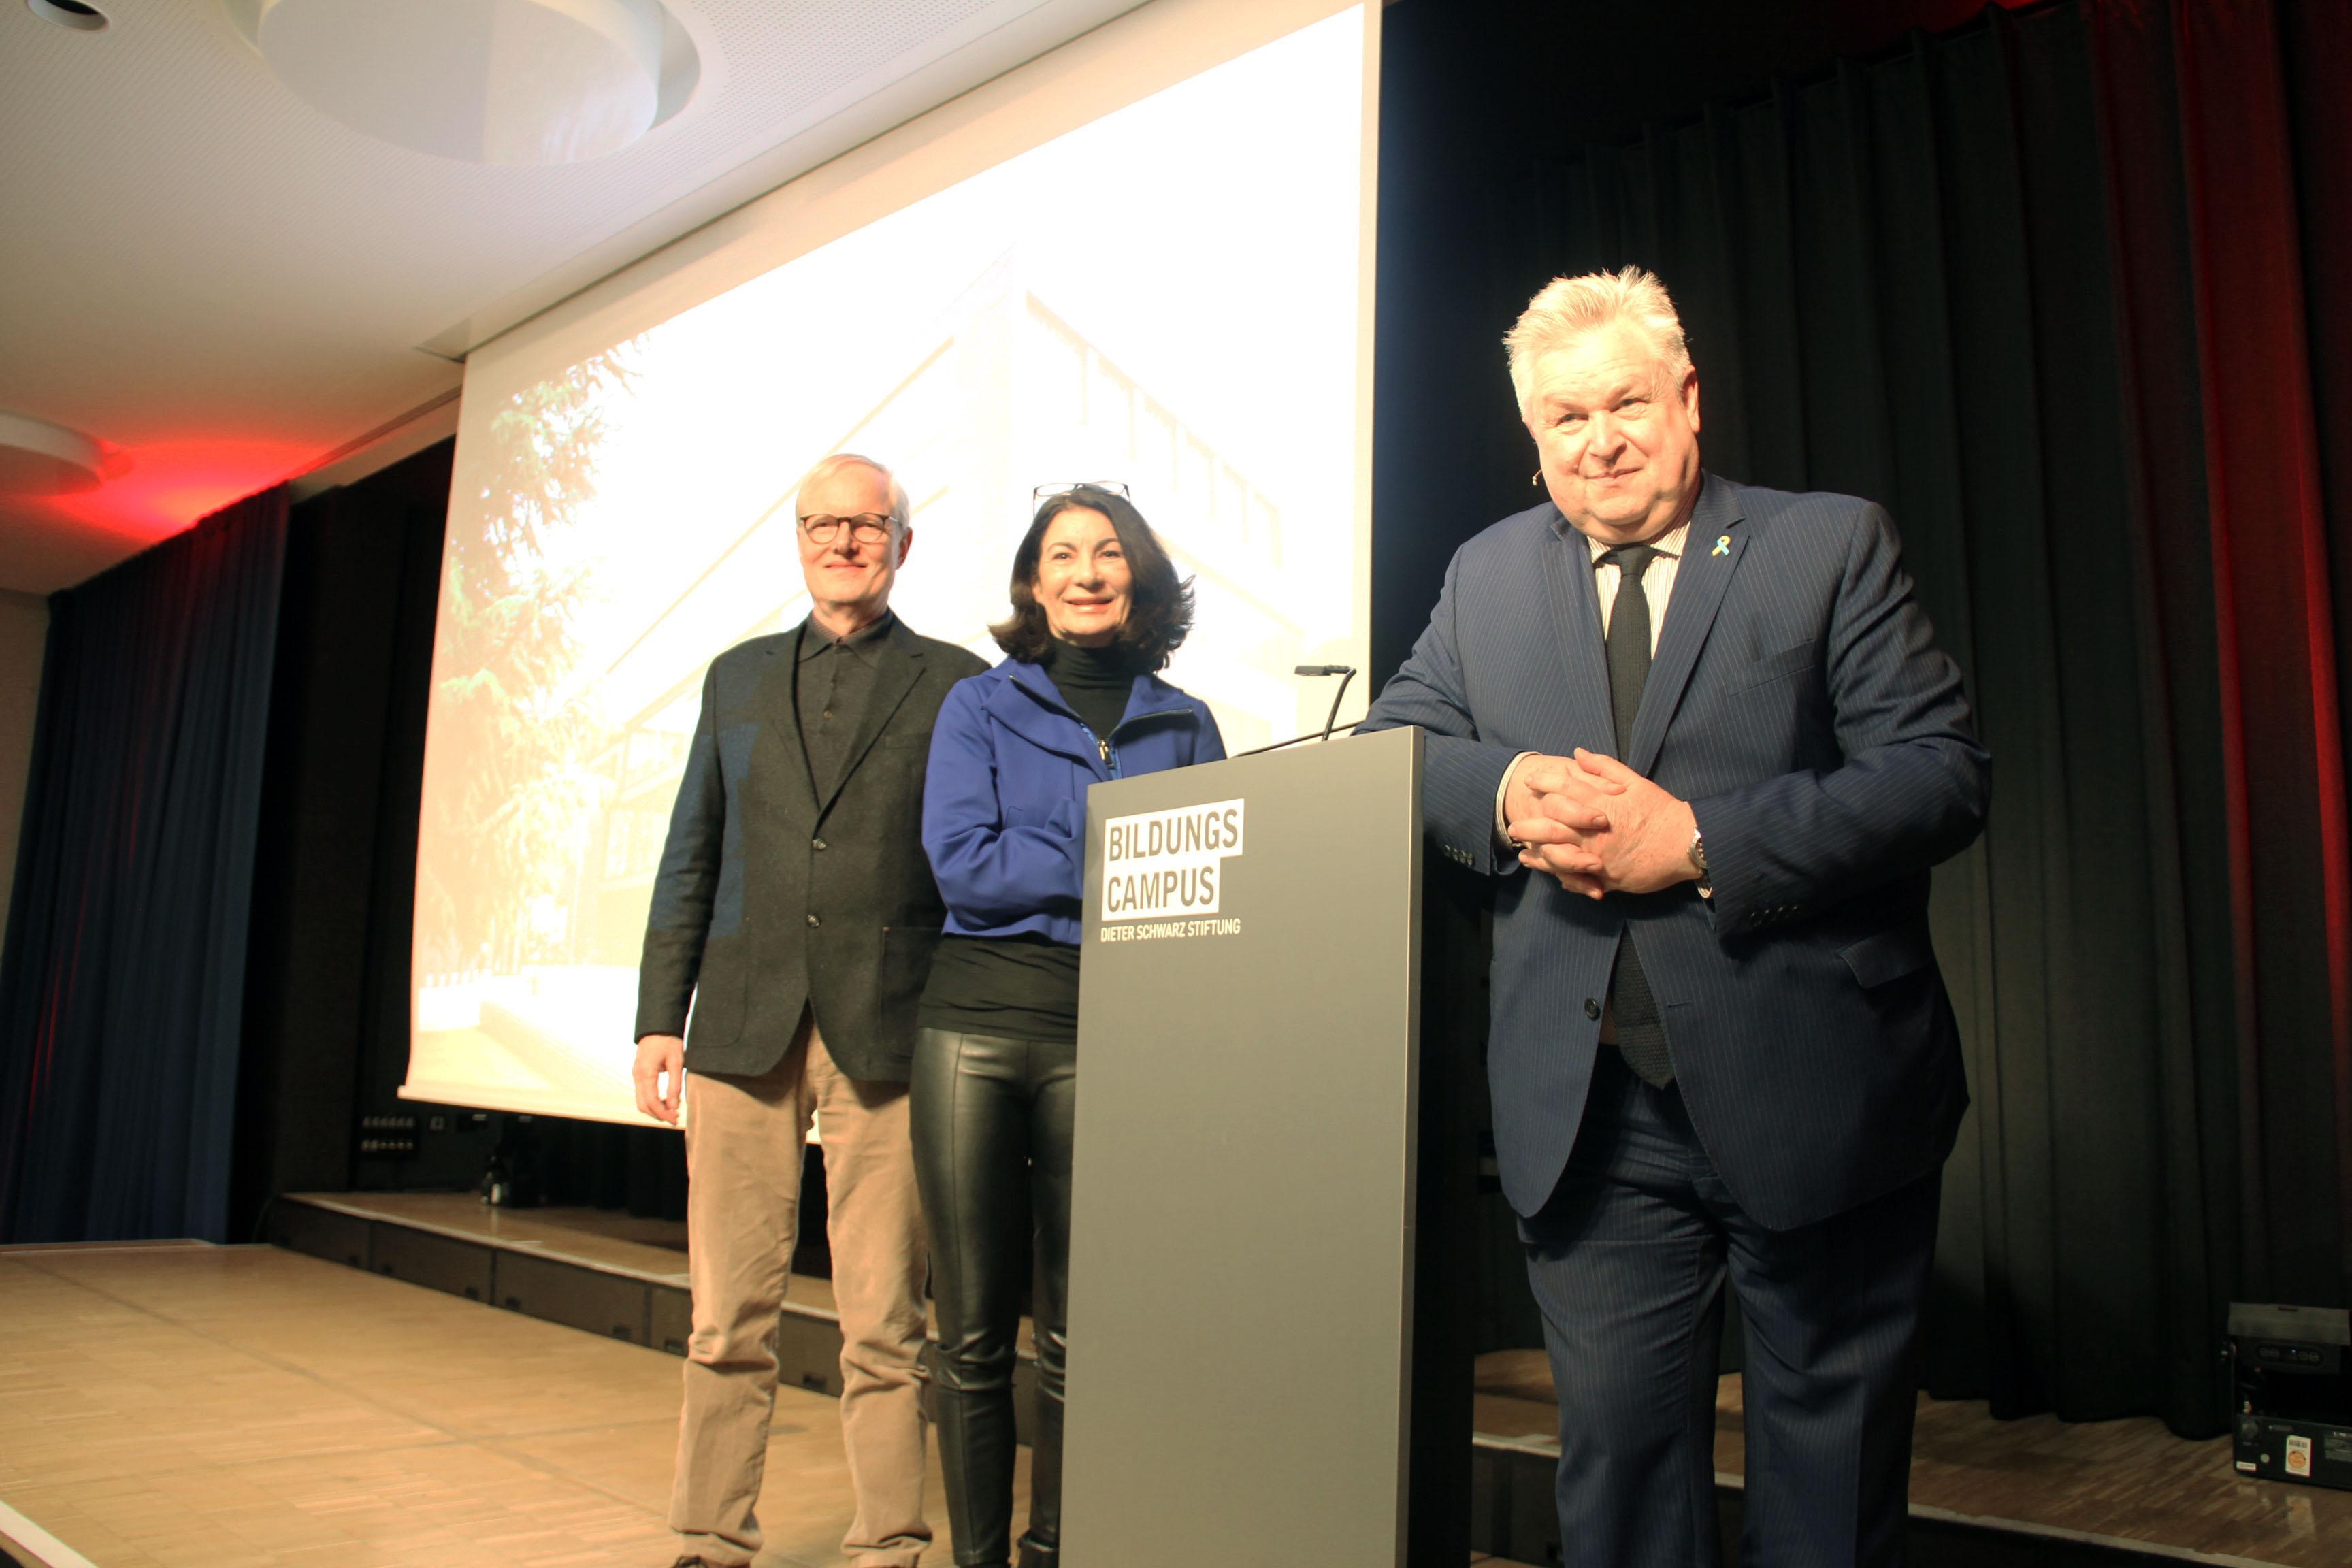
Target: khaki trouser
point(743, 1144)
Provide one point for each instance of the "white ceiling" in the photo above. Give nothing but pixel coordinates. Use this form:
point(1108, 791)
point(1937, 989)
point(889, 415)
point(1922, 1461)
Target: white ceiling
point(200, 270)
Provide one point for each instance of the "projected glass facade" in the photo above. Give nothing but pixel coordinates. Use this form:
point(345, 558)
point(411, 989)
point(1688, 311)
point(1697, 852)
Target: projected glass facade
point(1009, 396)
point(622, 512)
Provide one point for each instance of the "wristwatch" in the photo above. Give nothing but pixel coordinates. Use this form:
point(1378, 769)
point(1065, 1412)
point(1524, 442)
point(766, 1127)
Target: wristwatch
point(1697, 853)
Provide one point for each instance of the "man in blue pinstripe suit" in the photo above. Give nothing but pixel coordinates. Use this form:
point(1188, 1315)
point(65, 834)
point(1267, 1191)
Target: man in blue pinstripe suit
point(1703, 735)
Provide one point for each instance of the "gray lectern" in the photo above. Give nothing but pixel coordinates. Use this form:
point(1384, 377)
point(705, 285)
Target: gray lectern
point(1242, 1247)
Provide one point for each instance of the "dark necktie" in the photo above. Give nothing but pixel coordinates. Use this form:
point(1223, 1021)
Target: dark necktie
point(1640, 1036)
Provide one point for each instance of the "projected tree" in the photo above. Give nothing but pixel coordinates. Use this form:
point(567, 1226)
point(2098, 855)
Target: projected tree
point(510, 796)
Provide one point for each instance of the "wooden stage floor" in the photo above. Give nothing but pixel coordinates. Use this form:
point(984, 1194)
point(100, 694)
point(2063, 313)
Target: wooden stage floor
point(187, 1405)
point(183, 1406)
point(2128, 1484)
point(195, 1406)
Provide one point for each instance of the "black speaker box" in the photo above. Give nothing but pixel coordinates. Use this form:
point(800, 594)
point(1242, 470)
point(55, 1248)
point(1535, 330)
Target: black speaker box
point(2294, 1393)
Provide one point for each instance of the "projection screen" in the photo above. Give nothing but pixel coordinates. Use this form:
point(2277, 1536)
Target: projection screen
point(1146, 256)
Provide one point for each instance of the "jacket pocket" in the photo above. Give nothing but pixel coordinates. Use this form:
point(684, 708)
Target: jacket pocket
point(1889, 955)
point(1779, 665)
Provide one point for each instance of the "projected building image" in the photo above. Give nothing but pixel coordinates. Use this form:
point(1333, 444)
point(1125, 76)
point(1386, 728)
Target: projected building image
point(1005, 393)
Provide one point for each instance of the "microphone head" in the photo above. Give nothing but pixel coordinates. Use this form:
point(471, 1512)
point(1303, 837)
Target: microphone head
point(1325, 669)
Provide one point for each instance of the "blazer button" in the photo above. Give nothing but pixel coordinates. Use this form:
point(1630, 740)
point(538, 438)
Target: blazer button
point(812, 920)
point(1592, 1008)
point(816, 843)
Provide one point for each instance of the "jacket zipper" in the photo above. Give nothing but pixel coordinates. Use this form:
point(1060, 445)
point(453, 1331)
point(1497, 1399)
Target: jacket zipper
point(1102, 745)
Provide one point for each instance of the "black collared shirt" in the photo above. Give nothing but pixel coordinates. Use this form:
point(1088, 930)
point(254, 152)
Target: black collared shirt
point(833, 683)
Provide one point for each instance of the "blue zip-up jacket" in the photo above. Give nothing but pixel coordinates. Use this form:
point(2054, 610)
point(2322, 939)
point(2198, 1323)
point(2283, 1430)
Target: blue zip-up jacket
point(1004, 802)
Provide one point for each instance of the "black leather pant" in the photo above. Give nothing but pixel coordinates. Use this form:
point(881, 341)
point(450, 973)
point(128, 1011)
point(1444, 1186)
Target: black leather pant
point(992, 1119)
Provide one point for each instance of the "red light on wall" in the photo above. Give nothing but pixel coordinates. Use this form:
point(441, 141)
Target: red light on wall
point(165, 486)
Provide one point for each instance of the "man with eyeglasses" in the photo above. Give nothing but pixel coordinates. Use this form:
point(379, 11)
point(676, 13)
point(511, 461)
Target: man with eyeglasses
point(795, 910)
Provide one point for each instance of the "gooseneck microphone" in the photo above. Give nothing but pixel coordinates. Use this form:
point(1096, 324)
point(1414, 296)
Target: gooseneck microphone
point(1346, 672)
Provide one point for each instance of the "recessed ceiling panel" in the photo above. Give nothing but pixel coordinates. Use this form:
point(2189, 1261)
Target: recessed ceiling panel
point(486, 81)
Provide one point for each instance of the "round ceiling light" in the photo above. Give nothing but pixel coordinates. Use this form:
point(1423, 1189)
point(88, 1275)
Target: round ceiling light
point(489, 82)
point(39, 458)
point(71, 14)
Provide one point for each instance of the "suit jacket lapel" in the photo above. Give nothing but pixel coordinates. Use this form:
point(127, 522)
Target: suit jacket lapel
point(897, 666)
point(1575, 616)
point(780, 709)
point(1711, 553)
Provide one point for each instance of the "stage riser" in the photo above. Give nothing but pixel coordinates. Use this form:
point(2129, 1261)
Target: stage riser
point(421, 1258)
point(661, 1317)
point(1514, 1517)
point(321, 1233)
point(576, 1298)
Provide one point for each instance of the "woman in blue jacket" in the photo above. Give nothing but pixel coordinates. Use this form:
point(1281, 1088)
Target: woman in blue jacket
point(1096, 610)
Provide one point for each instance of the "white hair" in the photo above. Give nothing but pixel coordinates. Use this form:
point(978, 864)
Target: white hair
point(1566, 308)
point(901, 509)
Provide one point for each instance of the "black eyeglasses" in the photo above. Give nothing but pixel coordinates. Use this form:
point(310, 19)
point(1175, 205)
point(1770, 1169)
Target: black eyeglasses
point(866, 527)
point(1045, 493)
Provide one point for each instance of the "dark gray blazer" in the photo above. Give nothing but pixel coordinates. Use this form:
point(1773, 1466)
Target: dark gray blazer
point(779, 890)
point(1799, 702)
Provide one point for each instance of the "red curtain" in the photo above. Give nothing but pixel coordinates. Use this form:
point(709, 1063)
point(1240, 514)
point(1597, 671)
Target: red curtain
point(2230, 167)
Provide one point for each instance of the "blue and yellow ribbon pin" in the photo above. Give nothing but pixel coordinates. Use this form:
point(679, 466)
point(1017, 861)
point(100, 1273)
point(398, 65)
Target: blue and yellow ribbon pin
point(1722, 545)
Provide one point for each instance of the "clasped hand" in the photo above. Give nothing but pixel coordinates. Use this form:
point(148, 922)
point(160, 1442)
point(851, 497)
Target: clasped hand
point(1597, 826)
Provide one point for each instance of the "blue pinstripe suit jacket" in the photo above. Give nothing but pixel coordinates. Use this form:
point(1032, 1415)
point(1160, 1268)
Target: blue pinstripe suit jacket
point(1799, 702)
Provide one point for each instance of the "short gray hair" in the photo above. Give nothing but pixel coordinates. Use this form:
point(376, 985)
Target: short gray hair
point(900, 508)
point(1566, 308)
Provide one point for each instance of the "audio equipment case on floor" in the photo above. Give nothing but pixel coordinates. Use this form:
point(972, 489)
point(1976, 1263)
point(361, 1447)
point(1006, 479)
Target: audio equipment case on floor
point(2293, 1392)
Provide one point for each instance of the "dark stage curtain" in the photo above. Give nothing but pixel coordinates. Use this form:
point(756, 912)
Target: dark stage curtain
point(334, 893)
point(327, 997)
point(2039, 285)
point(122, 993)
point(2238, 225)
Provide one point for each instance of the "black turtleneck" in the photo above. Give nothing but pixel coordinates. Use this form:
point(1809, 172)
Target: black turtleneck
point(1027, 986)
point(1095, 682)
